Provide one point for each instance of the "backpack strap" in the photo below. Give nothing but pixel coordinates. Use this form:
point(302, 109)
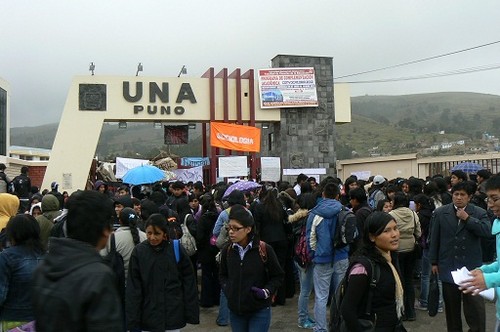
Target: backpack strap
point(374, 277)
point(177, 251)
point(112, 243)
point(263, 251)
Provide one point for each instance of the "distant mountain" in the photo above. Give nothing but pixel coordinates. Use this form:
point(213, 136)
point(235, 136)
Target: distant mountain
point(380, 125)
point(139, 140)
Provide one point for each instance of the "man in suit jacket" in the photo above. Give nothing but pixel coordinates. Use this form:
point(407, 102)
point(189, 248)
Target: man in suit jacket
point(456, 232)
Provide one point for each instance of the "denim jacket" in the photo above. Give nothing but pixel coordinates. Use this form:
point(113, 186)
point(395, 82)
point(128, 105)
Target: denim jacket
point(17, 264)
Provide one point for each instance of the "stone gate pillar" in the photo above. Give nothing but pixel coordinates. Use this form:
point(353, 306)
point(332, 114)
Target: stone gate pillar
point(305, 137)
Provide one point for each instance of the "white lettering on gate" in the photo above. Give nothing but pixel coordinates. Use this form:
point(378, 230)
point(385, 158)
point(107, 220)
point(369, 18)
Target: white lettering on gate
point(235, 139)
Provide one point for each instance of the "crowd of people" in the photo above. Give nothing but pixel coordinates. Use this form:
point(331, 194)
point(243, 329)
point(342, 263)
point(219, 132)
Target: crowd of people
point(119, 260)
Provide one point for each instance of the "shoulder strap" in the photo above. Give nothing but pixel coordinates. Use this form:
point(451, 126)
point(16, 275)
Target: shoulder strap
point(177, 251)
point(375, 275)
point(186, 218)
point(113, 243)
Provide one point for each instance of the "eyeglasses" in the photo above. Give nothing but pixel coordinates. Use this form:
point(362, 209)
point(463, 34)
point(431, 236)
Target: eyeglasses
point(491, 199)
point(233, 229)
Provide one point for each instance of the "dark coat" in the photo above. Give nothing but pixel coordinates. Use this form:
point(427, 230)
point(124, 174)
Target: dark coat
point(453, 244)
point(206, 251)
point(74, 290)
point(270, 230)
point(161, 294)
point(237, 277)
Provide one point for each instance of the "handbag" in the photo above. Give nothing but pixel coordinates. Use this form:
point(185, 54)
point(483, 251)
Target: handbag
point(433, 297)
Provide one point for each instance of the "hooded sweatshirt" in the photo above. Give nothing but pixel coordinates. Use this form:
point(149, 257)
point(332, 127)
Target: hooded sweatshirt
point(409, 228)
point(9, 205)
point(321, 223)
point(74, 267)
point(50, 209)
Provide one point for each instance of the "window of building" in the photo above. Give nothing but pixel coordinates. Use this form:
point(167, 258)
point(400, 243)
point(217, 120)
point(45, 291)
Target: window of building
point(270, 141)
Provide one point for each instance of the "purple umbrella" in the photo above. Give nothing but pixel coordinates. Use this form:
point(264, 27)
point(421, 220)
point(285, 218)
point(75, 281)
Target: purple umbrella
point(243, 186)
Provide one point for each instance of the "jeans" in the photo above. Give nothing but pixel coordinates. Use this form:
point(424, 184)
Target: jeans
point(322, 277)
point(306, 285)
point(425, 280)
point(258, 321)
point(339, 270)
point(223, 316)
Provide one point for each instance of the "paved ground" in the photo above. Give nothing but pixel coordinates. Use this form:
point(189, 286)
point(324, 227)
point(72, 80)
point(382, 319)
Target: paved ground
point(284, 318)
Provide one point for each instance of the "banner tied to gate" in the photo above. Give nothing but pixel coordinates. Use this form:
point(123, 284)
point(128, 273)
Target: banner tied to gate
point(234, 137)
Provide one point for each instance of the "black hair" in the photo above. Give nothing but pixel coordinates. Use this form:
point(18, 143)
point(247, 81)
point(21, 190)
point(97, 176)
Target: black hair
point(128, 217)
point(381, 203)
point(157, 220)
point(493, 183)
point(484, 173)
point(466, 186)
point(460, 174)
point(307, 201)
point(425, 201)
point(331, 190)
point(374, 225)
point(271, 205)
point(306, 187)
point(158, 197)
point(348, 182)
point(23, 229)
point(301, 177)
point(242, 217)
point(358, 194)
point(183, 208)
point(24, 170)
point(415, 186)
point(400, 200)
point(89, 214)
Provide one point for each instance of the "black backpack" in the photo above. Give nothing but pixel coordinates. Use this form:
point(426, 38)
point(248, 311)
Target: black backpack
point(337, 323)
point(115, 261)
point(346, 230)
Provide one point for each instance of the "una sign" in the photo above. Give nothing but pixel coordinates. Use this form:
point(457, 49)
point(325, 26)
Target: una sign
point(156, 94)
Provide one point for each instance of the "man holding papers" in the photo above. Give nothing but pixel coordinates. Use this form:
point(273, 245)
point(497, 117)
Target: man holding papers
point(456, 229)
point(488, 276)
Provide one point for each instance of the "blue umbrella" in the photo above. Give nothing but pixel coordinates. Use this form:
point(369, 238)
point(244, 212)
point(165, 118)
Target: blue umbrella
point(143, 174)
point(243, 186)
point(467, 167)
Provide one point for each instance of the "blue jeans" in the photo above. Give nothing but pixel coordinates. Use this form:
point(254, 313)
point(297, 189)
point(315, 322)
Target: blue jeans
point(322, 277)
point(339, 270)
point(223, 316)
point(258, 321)
point(425, 280)
point(306, 285)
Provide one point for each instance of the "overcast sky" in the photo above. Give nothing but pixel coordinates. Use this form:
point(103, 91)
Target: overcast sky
point(43, 44)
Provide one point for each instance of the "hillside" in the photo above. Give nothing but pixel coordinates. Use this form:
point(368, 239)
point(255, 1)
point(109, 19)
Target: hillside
point(380, 125)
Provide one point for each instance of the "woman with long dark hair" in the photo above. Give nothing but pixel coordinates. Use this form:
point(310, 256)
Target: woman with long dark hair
point(127, 236)
point(379, 243)
point(269, 219)
point(17, 264)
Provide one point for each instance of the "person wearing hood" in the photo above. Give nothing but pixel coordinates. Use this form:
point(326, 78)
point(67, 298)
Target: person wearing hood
point(50, 208)
point(102, 187)
point(36, 210)
point(321, 220)
point(409, 230)
point(74, 289)
point(9, 205)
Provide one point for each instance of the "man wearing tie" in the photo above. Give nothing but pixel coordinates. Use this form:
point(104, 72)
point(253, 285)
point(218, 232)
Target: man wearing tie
point(455, 241)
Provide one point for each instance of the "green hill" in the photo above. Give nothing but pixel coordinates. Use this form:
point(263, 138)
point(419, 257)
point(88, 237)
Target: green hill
point(380, 125)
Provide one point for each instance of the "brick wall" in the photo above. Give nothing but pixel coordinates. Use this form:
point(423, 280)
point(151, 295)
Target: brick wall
point(36, 174)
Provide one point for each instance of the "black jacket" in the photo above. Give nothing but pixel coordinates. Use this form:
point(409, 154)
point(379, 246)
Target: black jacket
point(206, 251)
point(161, 294)
point(74, 290)
point(237, 277)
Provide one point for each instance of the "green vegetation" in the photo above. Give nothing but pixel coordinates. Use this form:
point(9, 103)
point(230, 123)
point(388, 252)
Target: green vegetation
point(381, 125)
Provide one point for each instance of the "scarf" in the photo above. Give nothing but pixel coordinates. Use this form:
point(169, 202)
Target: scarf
point(399, 286)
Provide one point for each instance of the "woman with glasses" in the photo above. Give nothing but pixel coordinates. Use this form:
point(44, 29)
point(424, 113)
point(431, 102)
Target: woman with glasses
point(250, 274)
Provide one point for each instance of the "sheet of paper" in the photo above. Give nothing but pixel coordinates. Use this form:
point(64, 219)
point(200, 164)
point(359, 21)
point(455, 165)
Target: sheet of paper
point(460, 275)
